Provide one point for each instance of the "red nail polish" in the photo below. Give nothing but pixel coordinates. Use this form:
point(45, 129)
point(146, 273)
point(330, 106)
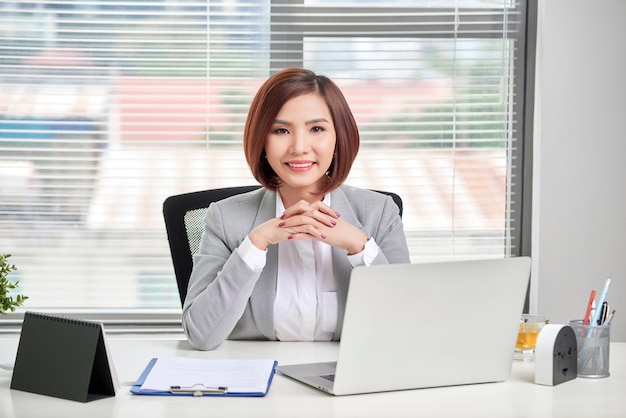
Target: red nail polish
point(333, 223)
point(323, 236)
point(281, 224)
point(337, 214)
point(290, 237)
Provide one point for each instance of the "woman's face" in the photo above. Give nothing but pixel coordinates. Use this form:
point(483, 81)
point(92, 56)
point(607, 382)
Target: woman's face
point(301, 143)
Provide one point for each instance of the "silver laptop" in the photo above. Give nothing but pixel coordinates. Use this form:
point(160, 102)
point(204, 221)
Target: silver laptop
point(410, 326)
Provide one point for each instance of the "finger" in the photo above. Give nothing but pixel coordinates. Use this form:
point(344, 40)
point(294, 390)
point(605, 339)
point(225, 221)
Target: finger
point(304, 235)
point(313, 217)
point(327, 210)
point(305, 232)
point(299, 208)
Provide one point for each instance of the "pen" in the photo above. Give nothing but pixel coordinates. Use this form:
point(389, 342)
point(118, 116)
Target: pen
point(589, 306)
point(604, 311)
point(199, 389)
point(596, 316)
point(610, 318)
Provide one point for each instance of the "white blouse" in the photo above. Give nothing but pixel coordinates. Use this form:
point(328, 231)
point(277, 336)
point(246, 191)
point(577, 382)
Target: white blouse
point(305, 308)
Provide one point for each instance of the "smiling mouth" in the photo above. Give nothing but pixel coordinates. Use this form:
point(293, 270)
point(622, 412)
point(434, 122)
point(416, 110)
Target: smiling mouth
point(300, 165)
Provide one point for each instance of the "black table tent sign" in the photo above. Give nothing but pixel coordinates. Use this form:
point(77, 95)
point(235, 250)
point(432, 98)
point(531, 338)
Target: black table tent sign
point(64, 358)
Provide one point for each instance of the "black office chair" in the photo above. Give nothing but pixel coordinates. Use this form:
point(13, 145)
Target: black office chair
point(184, 222)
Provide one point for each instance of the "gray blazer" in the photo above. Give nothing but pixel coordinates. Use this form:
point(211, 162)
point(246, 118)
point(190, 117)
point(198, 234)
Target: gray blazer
point(228, 300)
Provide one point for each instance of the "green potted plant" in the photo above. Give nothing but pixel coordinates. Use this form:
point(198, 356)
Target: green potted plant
point(7, 302)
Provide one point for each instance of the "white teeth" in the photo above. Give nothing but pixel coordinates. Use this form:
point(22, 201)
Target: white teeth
point(304, 165)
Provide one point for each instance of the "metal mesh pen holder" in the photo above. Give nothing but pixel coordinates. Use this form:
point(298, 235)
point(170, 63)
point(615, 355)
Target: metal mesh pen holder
point(593, 349)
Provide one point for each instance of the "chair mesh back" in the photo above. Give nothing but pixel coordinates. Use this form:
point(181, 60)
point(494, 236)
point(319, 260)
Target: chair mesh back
point(194, 224)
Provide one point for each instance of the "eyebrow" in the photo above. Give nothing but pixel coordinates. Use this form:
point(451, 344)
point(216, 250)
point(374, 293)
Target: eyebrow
point(309, 122)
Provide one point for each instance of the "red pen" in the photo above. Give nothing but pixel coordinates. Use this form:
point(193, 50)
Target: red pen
point(589, 305)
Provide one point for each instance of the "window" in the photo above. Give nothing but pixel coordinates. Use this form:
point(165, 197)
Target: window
point(108, 107)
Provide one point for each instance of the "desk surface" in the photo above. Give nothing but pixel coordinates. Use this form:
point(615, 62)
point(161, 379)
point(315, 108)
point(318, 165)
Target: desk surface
point(519, 396)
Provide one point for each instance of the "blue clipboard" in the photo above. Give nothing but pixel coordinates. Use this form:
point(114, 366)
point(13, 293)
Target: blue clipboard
point(136, 389)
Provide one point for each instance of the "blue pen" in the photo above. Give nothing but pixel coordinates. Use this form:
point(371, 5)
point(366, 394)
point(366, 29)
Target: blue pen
point(596, 315)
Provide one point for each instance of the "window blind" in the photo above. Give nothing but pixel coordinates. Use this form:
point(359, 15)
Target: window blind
point(108, 107)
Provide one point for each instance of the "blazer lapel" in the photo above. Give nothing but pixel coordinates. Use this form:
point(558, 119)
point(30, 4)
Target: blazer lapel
point(339, 202)
point(262, 299)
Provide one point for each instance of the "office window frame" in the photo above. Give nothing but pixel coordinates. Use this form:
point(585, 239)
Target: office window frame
point(288, 32)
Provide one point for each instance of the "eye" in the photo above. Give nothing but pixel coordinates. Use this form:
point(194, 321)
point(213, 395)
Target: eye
point(281, 131)
point(317, 129)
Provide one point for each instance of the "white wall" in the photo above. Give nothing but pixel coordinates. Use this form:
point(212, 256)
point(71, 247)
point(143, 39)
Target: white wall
point(579, 204)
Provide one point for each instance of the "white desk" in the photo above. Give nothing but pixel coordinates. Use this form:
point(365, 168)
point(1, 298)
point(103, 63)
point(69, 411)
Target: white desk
point(517, 397)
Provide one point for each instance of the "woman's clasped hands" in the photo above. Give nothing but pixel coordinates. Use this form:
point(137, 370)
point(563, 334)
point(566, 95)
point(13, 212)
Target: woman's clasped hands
point(305, 220)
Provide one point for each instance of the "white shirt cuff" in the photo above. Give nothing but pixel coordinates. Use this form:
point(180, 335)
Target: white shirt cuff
point(251, 255)
point(365, 257)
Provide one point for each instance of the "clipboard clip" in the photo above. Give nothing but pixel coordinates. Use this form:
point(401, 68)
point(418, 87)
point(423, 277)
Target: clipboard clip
point(199, 389)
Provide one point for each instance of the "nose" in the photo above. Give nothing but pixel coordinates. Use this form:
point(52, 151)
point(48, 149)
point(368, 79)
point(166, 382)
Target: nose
point(300, 143)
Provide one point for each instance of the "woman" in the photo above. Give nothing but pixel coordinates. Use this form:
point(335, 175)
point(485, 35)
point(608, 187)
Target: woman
point(275, 263)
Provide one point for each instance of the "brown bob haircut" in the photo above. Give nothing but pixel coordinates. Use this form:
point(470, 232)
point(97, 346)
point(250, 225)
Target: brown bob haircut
point(270, 98)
